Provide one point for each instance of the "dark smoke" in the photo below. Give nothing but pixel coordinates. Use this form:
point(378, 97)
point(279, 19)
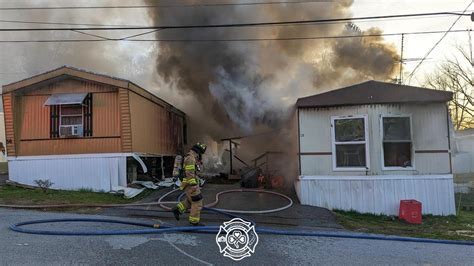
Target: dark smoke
point(247, 85)
point(225, 88)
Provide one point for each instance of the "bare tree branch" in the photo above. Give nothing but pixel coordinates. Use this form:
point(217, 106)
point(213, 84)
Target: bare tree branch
point(456, 75)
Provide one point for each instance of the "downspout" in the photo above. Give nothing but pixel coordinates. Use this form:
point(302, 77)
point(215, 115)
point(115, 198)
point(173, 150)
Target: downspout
point(449, 141)
point(298, 138)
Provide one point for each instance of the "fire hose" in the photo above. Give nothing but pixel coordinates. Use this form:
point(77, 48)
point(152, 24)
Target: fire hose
point(161, 203)
point(216, 201)
point(160, 228)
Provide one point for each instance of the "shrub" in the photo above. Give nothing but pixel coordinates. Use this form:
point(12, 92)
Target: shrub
point(44, 184)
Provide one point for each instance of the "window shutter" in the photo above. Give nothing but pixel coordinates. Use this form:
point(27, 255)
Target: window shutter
point(87, 110)
point(54, 121)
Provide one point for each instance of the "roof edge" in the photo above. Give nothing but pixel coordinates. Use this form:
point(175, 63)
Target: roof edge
point(86, 75)
point(65, 70)
point(317, 94)
point(374, 89)
point(359, 104)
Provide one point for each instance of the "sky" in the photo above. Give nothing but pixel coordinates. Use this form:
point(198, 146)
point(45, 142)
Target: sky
point(18, 61)
point(137, 61)
point(416, 46)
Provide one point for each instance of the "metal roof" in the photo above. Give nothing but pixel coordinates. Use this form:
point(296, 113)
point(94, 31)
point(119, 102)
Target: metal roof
point(65, 98)
point(374, 92)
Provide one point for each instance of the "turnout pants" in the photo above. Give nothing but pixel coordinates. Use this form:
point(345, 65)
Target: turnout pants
point(193, 202)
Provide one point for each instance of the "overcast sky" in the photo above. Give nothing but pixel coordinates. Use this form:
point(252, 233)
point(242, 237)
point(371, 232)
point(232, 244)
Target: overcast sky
point(416, 46)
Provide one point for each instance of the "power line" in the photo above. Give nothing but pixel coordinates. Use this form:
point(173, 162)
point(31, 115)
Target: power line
point(139, 34)
point(439, 41)
point(103, 39)
point(92, 35)
point(236, 25)
point(123, 25)
point(63, 23)
point(164, 5)
point(116, 39)
point(148, 32)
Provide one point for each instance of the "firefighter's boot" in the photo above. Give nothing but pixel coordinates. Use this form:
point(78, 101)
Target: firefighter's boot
point(197, 224)
point(176, 213)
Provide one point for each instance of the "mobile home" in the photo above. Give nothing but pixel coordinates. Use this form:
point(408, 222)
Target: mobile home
point(80, 129)
point(366, 147)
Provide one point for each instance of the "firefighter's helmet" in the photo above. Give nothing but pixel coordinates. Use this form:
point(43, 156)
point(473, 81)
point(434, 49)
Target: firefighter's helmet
point(199, 148)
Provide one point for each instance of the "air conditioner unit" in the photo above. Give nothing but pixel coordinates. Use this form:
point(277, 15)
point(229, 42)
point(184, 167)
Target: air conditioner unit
point(74, 130)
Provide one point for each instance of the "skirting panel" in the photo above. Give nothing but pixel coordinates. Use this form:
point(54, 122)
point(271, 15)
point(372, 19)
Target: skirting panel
point(378, 194)
point(69, 172)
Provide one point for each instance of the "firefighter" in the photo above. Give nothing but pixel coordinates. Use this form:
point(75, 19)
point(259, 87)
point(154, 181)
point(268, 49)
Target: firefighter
point(192, 165)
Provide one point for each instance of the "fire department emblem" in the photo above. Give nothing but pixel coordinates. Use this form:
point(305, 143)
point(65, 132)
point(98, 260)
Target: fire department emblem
point(237, 239)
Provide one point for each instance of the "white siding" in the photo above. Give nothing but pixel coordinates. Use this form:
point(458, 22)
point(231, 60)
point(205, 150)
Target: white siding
point(378, 194)
point(71, 172)
point(430, 132)
point(463, 160)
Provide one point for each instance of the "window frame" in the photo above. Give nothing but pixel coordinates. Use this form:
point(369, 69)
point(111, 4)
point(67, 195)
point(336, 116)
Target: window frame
point(334, 143)
point(397, 168)
point(61, 120)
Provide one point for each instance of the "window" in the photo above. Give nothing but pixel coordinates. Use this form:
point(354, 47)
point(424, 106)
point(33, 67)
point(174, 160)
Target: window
point(70, 120)
point(350, 146)
point(70, 115)
point(397, 142)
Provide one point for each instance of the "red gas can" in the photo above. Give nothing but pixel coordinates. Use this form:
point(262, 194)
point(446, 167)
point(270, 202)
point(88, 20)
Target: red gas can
point(410, 211)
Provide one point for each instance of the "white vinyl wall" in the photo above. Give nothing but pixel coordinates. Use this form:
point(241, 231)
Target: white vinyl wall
point(429, 129)
point(378, 194)
point(99, 172)
point(377, 189)
point(463, 160)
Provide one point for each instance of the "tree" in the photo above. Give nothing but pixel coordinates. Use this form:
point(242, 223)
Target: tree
point(456, 75)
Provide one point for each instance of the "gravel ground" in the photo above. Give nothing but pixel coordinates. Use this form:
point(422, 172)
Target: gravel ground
point(187, 248)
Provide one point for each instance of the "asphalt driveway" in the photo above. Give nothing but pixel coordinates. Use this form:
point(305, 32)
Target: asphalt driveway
point(3, 179)
point(189, 248)
point(297, 216)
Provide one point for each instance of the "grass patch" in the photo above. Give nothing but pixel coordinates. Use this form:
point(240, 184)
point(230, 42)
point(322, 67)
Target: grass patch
point(460, 227)
point(465, 201)
point(24, 196)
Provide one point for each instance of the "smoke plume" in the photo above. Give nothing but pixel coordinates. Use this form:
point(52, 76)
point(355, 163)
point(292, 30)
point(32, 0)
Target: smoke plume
point(244, 85)
point(226, 88)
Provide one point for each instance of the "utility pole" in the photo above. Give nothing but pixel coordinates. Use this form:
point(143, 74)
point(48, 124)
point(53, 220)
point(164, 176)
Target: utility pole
point(400, 81)
point(470, 47)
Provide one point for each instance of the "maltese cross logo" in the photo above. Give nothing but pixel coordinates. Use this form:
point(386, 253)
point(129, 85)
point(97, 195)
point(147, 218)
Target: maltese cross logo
point(237, 239)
